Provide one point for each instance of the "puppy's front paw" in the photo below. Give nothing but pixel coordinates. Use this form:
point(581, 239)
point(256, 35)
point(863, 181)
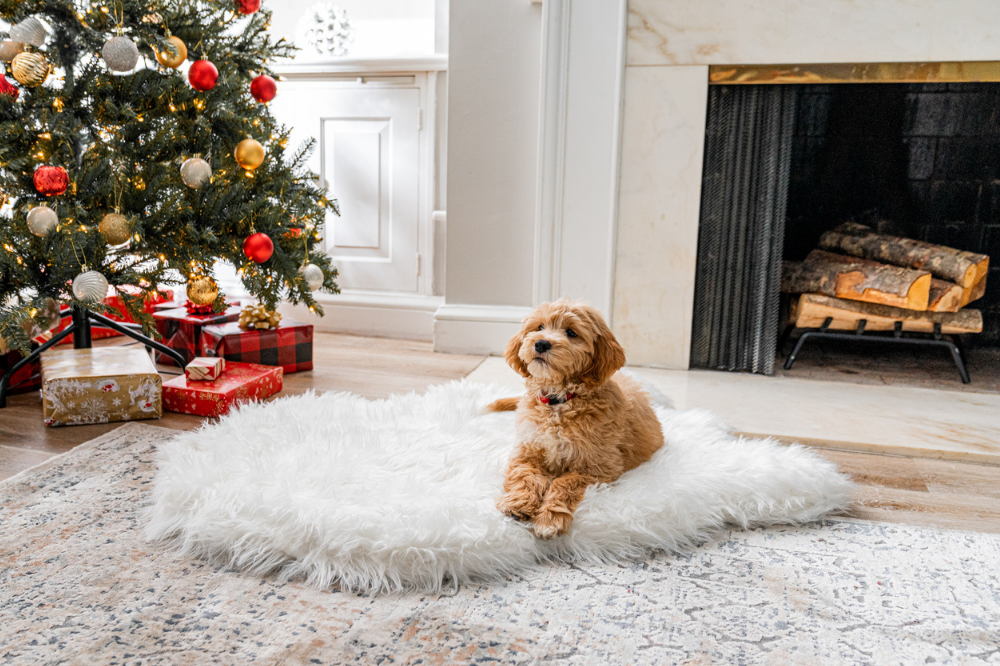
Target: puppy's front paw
point(518, 505)
point(550, 524)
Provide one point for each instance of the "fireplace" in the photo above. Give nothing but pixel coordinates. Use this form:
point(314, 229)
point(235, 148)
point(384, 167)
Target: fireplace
point(792, 153)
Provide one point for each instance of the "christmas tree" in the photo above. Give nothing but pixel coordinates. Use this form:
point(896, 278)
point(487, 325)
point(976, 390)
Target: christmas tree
point(136, 146)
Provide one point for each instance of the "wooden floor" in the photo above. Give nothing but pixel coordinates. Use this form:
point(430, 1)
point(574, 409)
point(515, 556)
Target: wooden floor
point(915, 491)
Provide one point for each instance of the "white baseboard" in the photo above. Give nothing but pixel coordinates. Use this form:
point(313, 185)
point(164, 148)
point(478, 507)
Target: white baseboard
point(378, 314)
point(476, 329)
point(381, 315)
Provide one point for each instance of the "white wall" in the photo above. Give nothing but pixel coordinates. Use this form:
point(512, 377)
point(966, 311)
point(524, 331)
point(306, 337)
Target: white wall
point(382, 28)
point(493, 86)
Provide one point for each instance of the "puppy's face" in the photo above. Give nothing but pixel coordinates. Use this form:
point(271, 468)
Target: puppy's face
point(563, 343)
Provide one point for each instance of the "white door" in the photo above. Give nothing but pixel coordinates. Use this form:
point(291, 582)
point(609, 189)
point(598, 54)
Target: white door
point(368, 156)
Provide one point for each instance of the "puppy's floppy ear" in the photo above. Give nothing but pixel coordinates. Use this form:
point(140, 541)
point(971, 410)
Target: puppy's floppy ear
point(510, 354)
point(609, 357)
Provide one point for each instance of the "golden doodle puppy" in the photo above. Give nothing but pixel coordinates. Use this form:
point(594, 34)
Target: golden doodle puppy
point(579, 423)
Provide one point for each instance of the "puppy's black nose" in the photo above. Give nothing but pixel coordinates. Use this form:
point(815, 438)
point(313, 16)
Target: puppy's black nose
point(543, 346)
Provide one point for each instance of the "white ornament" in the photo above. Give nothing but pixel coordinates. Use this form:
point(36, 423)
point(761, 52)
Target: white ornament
point(325, 29)
point(195, 172)
point(312, 275)
point(120, 54)
point(90, 287)
point(30, 31)
point(42, 221)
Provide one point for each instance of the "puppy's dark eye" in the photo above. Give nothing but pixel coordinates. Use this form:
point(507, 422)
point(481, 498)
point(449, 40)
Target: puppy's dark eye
point(570, 333)
point(541, 326)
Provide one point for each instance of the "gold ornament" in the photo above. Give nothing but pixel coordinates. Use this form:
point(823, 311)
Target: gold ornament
point(202, 290)
point(173, 62)
point(258, 317)
point(116, 228)
point(249, 154)
point(30, 68)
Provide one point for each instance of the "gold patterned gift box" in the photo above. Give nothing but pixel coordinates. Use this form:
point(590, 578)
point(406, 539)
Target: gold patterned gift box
point(82, 386)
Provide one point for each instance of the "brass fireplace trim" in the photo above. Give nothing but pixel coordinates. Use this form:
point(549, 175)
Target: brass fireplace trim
point(870, 72)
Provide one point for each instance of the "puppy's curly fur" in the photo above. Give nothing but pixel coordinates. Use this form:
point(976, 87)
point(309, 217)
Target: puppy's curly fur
point(579, 423)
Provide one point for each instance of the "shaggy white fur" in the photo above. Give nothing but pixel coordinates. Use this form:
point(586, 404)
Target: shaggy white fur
point(398, 494)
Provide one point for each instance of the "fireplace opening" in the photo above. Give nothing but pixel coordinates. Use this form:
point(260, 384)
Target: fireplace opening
point(792, 169)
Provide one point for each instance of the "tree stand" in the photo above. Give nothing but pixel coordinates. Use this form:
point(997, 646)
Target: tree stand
point(82, 321)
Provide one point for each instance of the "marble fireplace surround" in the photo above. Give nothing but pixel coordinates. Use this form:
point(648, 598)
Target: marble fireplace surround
point(666, 48)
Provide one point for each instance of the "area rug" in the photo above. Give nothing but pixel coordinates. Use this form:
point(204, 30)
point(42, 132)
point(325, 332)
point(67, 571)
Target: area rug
point(399, 494)
point(79, 584)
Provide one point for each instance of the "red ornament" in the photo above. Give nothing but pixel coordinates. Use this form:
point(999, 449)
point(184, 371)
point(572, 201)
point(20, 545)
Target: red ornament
point(203, 75)
point(263, 88)
point(258, 247)
point(6, 88)
point(51, 180)
point(247, 6)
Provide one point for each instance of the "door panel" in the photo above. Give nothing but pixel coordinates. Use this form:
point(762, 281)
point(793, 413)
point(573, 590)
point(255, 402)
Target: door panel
point(368, 157)
point(355, 157)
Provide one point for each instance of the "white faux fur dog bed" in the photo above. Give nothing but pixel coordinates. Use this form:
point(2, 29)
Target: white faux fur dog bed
point(398, 493)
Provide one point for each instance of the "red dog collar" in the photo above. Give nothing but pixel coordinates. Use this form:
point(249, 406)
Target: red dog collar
point(555, 399)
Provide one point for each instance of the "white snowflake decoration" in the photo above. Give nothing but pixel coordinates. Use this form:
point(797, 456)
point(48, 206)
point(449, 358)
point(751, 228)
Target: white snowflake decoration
point(325, 28)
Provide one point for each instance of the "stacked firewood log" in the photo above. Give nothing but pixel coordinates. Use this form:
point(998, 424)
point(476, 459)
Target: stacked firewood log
point(859, 274)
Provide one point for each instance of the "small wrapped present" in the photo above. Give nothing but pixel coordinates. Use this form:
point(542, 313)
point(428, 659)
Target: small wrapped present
point(181, 330)
point(26, 379)
point(99, 385)
point(241, 382)
point(289, 345)
point(204, 369)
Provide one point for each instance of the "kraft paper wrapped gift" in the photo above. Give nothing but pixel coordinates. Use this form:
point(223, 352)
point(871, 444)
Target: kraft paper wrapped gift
point(100, 385)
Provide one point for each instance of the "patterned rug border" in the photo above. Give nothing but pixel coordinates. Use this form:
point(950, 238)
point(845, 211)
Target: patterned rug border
point(79, 449)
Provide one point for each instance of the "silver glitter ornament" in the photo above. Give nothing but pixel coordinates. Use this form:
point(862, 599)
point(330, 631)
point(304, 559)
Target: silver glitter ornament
point(120, 54)
point(90, 287)
point(42, 221)
point(195, 172)
point(30, 31)
point(312, 275)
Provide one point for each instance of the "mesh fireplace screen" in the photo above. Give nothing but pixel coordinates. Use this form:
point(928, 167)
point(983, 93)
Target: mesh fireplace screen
point(748, 152)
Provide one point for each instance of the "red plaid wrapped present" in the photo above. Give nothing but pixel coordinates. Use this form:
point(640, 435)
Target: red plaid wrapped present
point(181, 331)
point(241, 382)
point(290, 345)
point(25, 380)
point(118, 313)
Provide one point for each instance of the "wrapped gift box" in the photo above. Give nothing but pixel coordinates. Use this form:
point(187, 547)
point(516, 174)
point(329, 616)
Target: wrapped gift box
point(204, 369)
point(118, 313)
point(241, 382)
point(26, 379)
point(288, 346)
point(181, 331)
point(99, 385)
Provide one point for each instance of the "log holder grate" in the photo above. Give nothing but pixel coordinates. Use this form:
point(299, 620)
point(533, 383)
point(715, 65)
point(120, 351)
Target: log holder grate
point(935, 340)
